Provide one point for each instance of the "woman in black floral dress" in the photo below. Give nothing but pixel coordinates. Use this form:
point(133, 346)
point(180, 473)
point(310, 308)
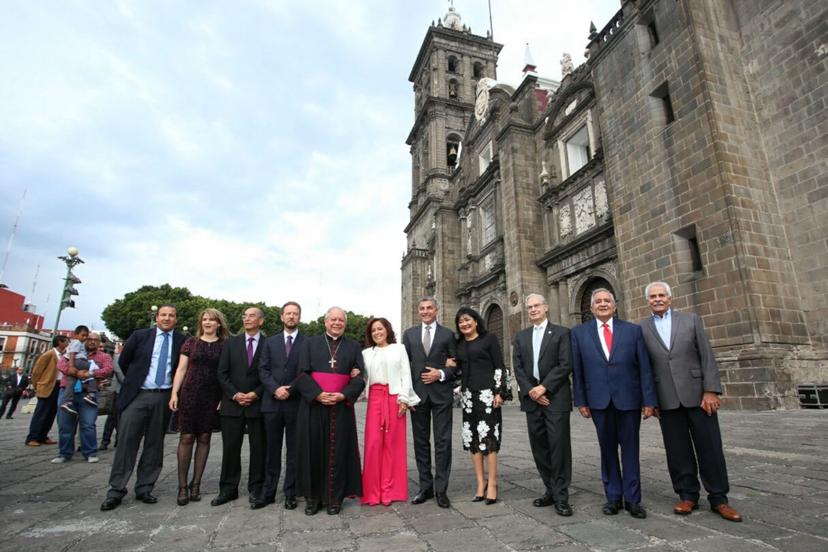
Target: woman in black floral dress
point(195, 396)
point(484, 387)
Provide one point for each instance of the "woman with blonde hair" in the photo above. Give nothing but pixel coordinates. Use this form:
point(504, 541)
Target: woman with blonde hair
point(196, 396)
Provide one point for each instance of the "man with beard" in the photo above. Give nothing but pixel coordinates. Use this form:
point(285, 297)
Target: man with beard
point(330, 381)
point(278, 366)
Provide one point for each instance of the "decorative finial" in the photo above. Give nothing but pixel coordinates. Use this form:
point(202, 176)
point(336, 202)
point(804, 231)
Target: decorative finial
point(593, 32)
point(567, 66)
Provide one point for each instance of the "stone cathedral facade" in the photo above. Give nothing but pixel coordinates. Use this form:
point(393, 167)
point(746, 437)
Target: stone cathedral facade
point(691, 147)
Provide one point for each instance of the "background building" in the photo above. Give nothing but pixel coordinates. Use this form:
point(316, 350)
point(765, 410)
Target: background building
point(690, 147)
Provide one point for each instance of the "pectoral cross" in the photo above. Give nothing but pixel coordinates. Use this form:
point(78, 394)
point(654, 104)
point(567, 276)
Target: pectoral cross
point(332, 363)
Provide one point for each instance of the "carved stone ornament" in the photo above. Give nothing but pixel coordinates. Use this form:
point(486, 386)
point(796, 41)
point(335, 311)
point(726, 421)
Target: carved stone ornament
point(513, 298)
point(566, 65)
point(601, 203)
point(564, 221)
point(481, 103)
point(584, 211)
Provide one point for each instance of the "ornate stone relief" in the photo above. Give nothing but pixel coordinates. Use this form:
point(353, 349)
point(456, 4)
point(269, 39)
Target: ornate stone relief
point(565, 221)
point(601, 203)
point(584, 211)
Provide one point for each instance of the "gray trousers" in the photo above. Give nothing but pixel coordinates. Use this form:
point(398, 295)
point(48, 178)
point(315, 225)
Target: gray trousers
point(145, 418)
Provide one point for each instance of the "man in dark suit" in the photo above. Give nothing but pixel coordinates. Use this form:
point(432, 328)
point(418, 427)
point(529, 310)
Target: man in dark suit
point(614, 386)
point(238, 375)
point(429, 346)
point(688, 386)
point(15, 385)
point(540, 357)
point(278, 368)
point(149, 360)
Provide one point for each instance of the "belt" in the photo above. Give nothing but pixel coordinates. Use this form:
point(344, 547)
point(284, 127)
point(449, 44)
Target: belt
point(156, 390)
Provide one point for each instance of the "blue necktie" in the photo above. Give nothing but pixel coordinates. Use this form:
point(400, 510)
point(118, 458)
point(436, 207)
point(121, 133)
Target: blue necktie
point(161, 369)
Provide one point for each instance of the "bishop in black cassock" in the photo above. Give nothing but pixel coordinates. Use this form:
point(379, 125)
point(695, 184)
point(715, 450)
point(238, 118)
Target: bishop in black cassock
point(327, 449)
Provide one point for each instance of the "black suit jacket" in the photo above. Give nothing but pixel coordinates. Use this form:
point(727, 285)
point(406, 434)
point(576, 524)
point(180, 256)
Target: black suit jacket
point(277, 369)
point(12, 387)
point(135, 360)
point(443, 347)
point(235, 376)
point(554, 367)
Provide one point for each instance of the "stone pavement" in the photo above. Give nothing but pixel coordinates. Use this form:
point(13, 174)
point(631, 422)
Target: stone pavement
point(778, 465)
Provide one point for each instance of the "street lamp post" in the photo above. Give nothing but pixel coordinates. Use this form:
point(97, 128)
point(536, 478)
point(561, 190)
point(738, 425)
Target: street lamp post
point(72, 260)
point(153, 312)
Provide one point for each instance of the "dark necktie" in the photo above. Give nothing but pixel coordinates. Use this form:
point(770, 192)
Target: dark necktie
point(288, 345)
point(163, 355)
point(608, 338)
point(249, 351)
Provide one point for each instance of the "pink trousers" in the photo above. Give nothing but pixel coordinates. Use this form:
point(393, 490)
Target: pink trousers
point(384, 473)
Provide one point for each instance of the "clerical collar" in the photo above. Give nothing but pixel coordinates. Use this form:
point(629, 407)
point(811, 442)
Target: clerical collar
point(332, 337)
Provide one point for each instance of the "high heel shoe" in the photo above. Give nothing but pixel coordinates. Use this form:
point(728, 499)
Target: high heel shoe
point(490, 501)
point(183, 498)
point(195, 492)
point(481, 498)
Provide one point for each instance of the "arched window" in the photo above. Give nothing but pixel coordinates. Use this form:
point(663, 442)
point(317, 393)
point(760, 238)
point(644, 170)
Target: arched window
point(477, 70)
point(453, 88)
point(591, 285)
point(453, 149)
point(452, 64)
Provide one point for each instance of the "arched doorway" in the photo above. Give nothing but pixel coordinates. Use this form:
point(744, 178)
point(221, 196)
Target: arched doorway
point(494, 321)
point(591, 285)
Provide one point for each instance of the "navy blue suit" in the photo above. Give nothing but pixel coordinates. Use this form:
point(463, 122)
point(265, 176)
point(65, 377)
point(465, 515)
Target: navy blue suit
point(277, 368)
point(615, 390)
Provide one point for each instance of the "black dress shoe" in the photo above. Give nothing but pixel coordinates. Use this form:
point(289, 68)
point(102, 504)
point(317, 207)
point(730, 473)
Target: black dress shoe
point(147, 498)
point(636, 510)
point(290, 503)
point(478, 499)
point(110, 503)
point(422, 496)
point(312, 507)
point(261, 503)
point(223, 499)
point(334, 509)
point(611, 508)
point(542, 502)
point(563, 509)
point(443, 500)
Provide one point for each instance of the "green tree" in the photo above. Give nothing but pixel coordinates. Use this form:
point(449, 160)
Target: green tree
point(132, 312)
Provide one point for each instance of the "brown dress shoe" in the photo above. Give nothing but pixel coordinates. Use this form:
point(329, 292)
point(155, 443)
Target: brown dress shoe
point(727, 512)
point(49, 441)
point(684, 507)
point(32, 444)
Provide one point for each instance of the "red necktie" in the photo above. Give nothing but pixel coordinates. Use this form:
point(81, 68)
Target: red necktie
point(608, 337)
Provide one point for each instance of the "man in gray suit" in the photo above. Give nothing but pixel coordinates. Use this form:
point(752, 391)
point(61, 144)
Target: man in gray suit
point(429, 346)
point(688, 387)
point(540, 358)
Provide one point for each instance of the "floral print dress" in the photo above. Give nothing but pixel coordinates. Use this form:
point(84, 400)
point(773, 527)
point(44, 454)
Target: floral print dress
point(483, 375)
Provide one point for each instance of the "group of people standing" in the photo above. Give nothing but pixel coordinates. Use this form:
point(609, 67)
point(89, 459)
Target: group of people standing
point(300, 391)
point(623, 372)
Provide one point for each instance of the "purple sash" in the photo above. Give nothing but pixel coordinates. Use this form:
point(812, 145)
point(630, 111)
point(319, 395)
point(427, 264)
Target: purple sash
point(331, 383)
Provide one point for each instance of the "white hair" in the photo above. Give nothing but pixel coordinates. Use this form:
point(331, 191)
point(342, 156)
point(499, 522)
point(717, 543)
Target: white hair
point(538, 295)
point(330, 310)
point(665, 285)
point(600, 290)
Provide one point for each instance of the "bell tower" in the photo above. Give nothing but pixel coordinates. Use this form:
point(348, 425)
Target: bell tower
point(450, 62)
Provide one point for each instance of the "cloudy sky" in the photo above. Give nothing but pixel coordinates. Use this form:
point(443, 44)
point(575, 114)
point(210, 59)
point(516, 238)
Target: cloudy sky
point(251, 150)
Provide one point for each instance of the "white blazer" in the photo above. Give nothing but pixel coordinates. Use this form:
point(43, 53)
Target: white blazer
point(397, 368)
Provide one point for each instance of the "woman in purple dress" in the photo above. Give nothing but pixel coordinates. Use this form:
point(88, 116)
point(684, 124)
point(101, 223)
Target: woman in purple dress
point(196, 396)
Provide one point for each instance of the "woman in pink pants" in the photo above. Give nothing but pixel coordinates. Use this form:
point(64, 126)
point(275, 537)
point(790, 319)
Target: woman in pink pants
point(384, 472)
